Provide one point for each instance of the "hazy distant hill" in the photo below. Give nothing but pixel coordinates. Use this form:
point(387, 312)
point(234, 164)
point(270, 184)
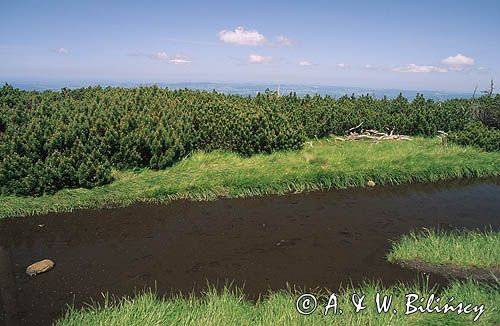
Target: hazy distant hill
point(252, 89)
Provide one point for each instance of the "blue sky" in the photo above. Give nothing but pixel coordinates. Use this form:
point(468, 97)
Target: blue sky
point(432, 45)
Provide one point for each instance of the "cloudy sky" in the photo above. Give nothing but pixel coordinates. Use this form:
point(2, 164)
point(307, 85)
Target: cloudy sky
point(431, 45)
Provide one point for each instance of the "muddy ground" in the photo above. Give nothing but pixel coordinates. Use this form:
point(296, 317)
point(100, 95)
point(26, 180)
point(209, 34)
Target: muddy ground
point(312, 240)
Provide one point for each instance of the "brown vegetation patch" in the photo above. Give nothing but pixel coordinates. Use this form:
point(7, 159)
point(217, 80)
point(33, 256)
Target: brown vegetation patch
point(450, 270)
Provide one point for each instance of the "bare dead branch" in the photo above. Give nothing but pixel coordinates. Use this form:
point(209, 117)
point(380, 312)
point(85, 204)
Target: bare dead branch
point(372, 134)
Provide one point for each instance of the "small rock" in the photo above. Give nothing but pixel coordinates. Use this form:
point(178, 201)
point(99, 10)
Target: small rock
point(370, 183)
point(39, 267)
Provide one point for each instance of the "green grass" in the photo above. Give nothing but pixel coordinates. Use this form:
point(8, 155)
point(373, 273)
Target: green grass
point(459, 248)
point(322, 164)
point(229, 307)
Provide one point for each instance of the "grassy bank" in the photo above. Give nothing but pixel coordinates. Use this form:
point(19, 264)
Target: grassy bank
point(231, 308)
point(457, 253)
point(465, 248)
point(321, 164)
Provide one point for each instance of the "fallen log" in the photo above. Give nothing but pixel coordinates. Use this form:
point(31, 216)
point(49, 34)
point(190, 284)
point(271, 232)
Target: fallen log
point(372, 134)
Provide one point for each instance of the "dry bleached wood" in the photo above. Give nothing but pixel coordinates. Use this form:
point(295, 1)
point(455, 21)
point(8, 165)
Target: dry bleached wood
point(372, 134)
point(443, 136)
point(354, 128)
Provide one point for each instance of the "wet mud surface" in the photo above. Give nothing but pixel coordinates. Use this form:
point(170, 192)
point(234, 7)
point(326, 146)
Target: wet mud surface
point(312, 240)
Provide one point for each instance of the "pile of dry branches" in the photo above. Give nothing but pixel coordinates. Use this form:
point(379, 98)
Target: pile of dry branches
point(371, 134)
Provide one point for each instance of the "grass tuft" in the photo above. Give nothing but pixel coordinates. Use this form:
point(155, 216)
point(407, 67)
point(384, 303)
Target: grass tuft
point(324, 165)
point(230, 307)
point(467, 249)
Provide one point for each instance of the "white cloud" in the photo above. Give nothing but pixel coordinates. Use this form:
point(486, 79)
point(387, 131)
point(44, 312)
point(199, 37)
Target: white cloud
point(343, 65)
point(252, 37)
point(283, 41)
point(483, 70)
point(305, 63)
point(161, 56)
point(418, 69)
point(257, 58)
point(458, 61)
point(61, 50)
point(377, 67)
point(242, 37)
point(407, 68)
point(179, 59)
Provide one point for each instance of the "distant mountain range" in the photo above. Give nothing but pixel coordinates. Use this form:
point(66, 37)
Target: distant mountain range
point(253, 88)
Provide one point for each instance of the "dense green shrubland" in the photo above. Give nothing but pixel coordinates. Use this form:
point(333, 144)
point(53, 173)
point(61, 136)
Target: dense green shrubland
point(484, 130)
point(72, 138)
point(476, 134)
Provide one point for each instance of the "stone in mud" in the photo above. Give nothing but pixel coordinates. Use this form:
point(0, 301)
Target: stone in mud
point(39, 267)
point(370, 183)
point(279, 243)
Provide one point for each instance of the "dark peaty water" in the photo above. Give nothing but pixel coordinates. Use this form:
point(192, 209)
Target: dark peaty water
point(317, 239)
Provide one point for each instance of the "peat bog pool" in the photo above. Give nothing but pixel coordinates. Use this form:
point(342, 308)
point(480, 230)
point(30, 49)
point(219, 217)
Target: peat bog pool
point(312, 240)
